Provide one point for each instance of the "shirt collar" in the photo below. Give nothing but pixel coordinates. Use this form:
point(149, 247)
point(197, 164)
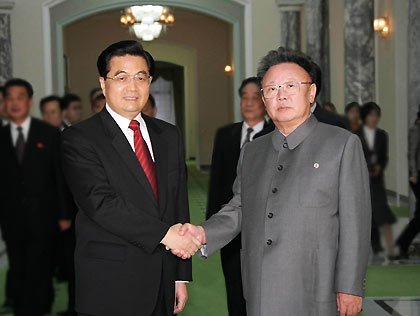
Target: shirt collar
point(257, 127)
point(25, 125)
point(296, 137)
point(122, 121)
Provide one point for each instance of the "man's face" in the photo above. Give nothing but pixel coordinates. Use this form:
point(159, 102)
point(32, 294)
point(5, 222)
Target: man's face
point(18, 103)
point(98, 105)
point(126, 98)
point(291, 110)
point(73, 113)
point(149, 109)
point(52, 113)
point(252, 106)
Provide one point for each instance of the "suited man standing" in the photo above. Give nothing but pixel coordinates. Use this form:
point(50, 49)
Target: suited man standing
point(301, 203)
point(227, 146)
point(32, 200)
point(127, 175)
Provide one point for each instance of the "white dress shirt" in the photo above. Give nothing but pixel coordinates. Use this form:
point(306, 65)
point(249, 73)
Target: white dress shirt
point(25, 130)
point(256, 129)
point(124, 124)
point(370, 136)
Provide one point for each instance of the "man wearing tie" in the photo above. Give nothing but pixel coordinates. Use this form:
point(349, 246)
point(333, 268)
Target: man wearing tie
point(227, 146)
point(32, 199)
point(127, 175)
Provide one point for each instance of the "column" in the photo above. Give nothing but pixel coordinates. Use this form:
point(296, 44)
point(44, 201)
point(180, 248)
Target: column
point(359, 62)
point(413, 60)
point(290, 23)
point(5, 41)
point(317, 41)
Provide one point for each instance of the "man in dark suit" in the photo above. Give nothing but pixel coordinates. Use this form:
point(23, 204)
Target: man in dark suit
point(227, 146)
point(127, 175)
point(32, 200)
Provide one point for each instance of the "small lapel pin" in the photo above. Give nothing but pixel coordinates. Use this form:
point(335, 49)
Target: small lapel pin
point(40, 145)
point(316, 165)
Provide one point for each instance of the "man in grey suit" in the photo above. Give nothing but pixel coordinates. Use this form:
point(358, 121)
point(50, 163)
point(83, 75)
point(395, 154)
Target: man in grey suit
point(301, 201)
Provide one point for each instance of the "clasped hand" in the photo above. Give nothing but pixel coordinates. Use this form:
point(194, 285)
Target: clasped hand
point(184, 240)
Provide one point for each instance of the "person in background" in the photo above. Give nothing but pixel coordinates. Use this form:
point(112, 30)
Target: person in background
point(51, 111)
point(4, 119)
point(413, 227)
point(375, 147)
point(93, 94)
point(226, 149)
point(72, 109)
point(34, 202)
point(329, 106)
point(150, 108)
point(98, 104)
point(352, 112)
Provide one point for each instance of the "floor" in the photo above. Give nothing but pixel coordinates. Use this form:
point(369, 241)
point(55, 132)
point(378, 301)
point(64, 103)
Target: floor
point(393, 288)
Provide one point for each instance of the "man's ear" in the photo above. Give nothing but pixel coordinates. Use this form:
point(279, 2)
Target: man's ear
point(312, 93)
point(102, 83)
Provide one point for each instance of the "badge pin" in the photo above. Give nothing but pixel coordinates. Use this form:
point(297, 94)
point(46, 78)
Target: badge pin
point(316, 165)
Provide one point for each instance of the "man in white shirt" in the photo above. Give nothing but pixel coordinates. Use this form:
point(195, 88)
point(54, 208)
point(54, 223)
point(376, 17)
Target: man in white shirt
point(33, 197)
point(127, 175)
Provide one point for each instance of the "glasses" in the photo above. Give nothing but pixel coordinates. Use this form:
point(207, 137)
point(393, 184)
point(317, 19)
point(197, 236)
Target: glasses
point(289, 88)
point(141, 78)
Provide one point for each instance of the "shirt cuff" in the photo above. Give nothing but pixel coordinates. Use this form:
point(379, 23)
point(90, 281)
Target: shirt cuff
point(182, 281)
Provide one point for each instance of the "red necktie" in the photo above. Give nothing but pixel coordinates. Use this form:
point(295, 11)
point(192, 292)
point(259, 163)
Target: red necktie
point(144, 157)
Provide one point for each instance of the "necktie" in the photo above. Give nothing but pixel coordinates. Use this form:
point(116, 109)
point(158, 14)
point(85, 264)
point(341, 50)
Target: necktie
point(144, 157)
point(248, 135)
point(20, 145)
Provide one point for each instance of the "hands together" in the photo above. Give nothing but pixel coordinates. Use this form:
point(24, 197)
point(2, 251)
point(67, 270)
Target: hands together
point(349, 305)
point(184, 240)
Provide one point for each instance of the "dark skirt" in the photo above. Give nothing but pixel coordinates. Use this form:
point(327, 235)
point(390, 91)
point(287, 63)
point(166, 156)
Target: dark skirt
point(381, 212)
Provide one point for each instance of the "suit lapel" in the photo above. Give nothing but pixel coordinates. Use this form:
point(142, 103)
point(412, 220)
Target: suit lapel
point(160, 152)
point(10, 147)
point(126, 153)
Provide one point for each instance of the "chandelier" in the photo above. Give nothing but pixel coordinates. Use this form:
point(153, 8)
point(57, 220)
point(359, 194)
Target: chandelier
point(147, 22)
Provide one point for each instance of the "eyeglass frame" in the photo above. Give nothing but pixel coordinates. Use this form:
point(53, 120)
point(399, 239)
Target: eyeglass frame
point(283, 85)
point(149, 77)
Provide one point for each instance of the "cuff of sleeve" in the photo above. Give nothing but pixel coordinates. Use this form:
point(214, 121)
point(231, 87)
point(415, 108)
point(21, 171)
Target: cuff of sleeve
point(182, 281)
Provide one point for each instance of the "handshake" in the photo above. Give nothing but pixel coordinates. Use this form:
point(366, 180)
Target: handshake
point(184, 240)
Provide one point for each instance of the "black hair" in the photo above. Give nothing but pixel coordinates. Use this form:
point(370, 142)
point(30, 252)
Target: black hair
point(133, 48)
point(93, 91)
point(17, 82)
point(67, 99)
point(350, 106)
point(152, 100)
point(367, 108)
point(2, 90)
point(47, 99)
point(246, 81)
point(286, 55)
point(330, 104)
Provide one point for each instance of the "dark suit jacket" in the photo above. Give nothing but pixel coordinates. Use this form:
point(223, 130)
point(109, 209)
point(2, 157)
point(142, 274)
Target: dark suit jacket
point(32, 194)
point(119, 260)
point(226, 151)
point(330, 118)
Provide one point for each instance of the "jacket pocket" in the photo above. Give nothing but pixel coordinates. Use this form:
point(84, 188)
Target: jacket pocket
point(106, 251)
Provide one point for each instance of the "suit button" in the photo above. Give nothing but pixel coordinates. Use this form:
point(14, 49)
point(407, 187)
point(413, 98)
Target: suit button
point(285, 145)
point(269, 242)
point(280, 168)
point(270, 215)
point(274, 190)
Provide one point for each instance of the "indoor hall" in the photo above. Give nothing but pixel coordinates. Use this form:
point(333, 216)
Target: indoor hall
point(366, 49)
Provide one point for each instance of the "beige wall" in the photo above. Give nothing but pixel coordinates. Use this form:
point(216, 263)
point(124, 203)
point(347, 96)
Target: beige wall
point(27, 46)
point(210, 98)
point(266, 29)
